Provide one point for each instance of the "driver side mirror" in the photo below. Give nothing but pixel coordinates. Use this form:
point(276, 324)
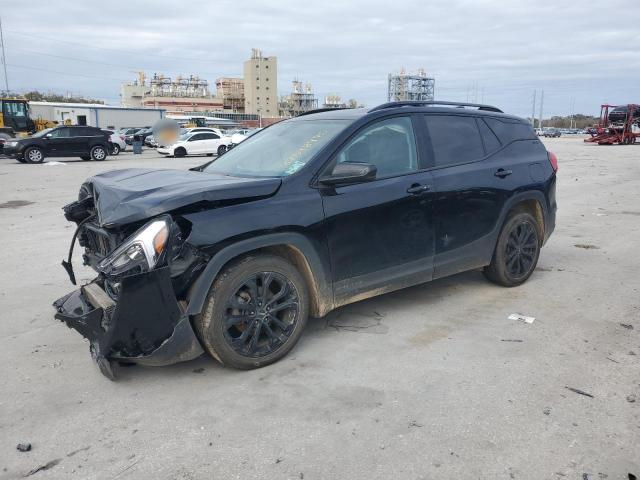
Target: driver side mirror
point(346, 172)
point(48, 135)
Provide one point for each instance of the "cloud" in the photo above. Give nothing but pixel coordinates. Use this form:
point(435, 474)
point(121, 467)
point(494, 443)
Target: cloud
point(501, 50)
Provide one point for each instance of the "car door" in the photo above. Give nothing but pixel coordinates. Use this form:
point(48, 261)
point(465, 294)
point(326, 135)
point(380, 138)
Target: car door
point(196, 144)
point(209, 142)
point(57, 142)
point(470, 190)
point(82, 138)
point(380, 233)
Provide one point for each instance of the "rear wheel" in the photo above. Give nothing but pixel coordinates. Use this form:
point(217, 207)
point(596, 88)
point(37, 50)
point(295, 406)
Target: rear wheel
point(255, 312)
point(517, 251)
point(34, 155)
point(115, 149)
point(98, 153)
point(222, 149)
point(179, 152)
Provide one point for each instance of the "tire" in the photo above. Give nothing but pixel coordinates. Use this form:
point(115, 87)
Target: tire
point(517, 251)
point(98, 153)
point(179, 152)
point(34, 155)
point(86, 158)
point(240, 285)
point(222, 149)
point(115, 149)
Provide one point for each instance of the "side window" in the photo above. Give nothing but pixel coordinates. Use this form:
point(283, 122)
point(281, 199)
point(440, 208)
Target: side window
point(388, 144)
point(197, 136)
point(455, 139)
point(510, 131)
point(61, 133)
point(491, 142)
point(209, 136)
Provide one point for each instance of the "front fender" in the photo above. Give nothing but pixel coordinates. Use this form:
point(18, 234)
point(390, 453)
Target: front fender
point(319, 272)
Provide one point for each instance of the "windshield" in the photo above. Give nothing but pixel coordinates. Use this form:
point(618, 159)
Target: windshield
point(41, 133)
point(280, 150)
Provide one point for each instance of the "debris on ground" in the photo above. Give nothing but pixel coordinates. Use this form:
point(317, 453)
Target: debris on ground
point(522, 318)
point(580, 392)
point(546, 411)
point(46, 466)
point(511, 340)
point(23, 447)
point(198, 370)
point(587, 246)
point(631, 398)
point(278, 460)
point(628, 326)
point(413, 423)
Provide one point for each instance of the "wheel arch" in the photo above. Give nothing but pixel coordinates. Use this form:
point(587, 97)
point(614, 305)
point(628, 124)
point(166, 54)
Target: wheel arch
point(532, 202)
point(294, 247)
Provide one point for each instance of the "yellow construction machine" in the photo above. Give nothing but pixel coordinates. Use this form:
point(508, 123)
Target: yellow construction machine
point(16, 121)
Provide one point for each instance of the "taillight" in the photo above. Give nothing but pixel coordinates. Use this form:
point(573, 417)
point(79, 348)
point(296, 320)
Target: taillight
point(553, 160)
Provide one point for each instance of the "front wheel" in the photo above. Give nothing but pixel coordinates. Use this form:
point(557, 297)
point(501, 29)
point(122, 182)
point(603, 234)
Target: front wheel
point(34, 155)
point(222, 149)
point(517, 251)
point(98, 153)
point(255, 312)
point(179, 152)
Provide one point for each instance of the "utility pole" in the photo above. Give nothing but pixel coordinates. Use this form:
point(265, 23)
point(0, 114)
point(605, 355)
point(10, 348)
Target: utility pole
point(533, 110)
point(541, 102)
point(4, 60)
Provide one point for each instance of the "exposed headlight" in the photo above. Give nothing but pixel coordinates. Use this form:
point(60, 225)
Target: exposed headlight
point(140, 252)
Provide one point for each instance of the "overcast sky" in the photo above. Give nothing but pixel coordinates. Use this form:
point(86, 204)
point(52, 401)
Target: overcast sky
point(501, 49)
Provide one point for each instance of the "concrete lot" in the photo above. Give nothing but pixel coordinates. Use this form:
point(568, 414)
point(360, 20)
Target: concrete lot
point(430, 382)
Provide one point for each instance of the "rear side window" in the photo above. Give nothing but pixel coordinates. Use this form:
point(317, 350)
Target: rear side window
point(507, 132)
point(491, 142)
point(455, 139)
point(208, 136)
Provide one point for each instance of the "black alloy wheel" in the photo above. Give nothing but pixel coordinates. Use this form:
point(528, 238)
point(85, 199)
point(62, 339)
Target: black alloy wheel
point(261, 314)
point(255, 312)
point(516, 252)
point(521, 251)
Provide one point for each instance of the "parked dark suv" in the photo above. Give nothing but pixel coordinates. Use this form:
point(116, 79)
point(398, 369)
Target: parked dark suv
point(307, 215)
point(88, 143)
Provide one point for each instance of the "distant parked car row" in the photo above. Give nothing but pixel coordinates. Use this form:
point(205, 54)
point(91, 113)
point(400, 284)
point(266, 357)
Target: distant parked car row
point(91, 143)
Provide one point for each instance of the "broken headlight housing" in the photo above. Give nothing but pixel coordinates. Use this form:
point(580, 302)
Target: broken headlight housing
point(140, 253)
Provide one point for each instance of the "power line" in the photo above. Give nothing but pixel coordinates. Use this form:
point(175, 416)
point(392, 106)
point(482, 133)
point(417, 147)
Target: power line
point(63, 73)
point(98, 62)
point(129, 52)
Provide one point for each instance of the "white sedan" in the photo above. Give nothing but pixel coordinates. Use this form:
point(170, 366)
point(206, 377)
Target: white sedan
point(198, 143)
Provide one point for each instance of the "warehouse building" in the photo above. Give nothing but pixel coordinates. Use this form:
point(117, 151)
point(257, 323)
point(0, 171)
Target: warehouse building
point(95, 115)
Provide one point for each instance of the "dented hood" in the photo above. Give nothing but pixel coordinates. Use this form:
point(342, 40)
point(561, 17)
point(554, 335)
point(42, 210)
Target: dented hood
point(130, 195)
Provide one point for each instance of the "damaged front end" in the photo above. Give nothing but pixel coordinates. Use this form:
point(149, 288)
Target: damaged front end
point(134, 310)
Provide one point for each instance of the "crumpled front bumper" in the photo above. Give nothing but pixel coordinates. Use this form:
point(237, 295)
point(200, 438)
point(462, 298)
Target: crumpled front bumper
point(146, 326)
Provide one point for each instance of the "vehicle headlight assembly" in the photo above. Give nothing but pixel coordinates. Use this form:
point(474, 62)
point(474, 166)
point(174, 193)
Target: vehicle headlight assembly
point(140, 252)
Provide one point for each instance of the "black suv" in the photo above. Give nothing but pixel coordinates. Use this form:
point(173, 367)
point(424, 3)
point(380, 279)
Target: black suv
point(307, 215)
point(88, 143)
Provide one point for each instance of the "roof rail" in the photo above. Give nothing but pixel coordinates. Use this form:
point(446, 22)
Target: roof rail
point(411, 103)
point(318, 110)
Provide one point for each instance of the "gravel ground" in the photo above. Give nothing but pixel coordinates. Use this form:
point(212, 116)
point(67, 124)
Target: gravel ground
point(429, 382)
